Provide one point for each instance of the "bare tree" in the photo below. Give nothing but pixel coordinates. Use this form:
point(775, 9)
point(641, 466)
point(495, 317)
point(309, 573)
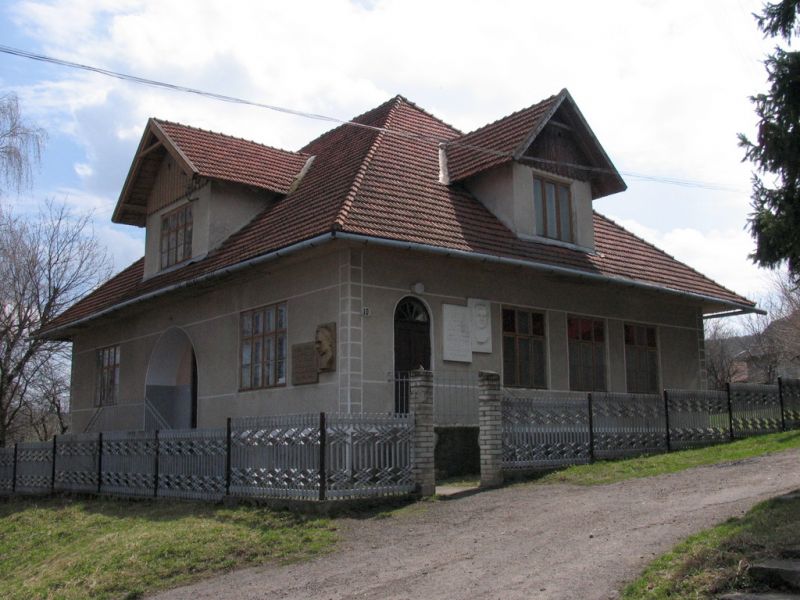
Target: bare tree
point(46, 409)
point(46, 264)
point(720, 353)
point(21, 145)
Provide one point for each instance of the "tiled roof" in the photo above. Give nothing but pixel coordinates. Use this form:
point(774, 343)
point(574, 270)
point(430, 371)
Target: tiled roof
point(373, 183)
point(219, 156)
point(504, 136)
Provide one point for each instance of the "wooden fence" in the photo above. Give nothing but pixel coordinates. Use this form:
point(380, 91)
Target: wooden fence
point(543, 429)
point(306, 457)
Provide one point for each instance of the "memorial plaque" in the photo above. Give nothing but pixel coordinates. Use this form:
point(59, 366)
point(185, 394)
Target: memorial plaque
point(481, 320)
point(304, 364)
point(457, 334)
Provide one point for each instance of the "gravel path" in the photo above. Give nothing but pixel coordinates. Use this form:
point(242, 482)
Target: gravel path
point(525, 541)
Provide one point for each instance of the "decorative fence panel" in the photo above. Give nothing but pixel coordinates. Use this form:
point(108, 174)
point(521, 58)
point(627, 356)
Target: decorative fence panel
point(128, 463)
point(77, 462)
point(790, 391)
point(191, 463)
point(6, 470)
point(545, 429)
point(697, 418)
point(34, 467)
point(368, 455)
point(756, 409)
point(275, 457)
point(628, 424)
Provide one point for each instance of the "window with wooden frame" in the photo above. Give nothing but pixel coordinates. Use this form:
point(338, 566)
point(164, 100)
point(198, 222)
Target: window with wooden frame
point(524, 355)
point(107, 384)
point(587, 354)
point(641, 359)
point(263, 347)
point(552, 206)
point(176, 236)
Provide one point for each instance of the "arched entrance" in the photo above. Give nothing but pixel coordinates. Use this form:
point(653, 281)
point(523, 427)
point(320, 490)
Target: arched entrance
point(412, 346)
point(171, 384)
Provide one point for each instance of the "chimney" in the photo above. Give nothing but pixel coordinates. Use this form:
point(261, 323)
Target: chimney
point(444, 175)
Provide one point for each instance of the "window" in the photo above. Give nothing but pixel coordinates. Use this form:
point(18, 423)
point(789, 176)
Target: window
point(587, 354)
point(176, 236)
point(263, 347)
point(552, 206)
point(107, 385)
point(641, 359)
point(523, 349)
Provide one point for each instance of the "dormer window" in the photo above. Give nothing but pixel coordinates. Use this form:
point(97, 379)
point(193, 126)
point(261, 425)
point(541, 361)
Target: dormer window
point(552, 205)
point(176, 236)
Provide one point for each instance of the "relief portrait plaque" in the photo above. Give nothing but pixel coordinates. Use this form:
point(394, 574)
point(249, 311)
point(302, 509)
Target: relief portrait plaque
point(304, 363)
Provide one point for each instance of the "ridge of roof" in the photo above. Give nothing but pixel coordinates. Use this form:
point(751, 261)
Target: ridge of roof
point(516, 113)
point(225, 135)
point(665, 253)
point(359, 119)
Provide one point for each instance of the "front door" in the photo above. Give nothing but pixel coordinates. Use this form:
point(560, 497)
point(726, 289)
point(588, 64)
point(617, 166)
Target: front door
point(412, 346)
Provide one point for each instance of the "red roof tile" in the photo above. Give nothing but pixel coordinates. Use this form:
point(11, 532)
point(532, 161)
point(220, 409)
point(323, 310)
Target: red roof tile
point(373, 183)
point(504, 137)
point(219, 156)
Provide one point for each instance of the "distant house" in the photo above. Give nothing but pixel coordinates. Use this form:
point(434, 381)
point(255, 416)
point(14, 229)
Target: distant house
point(281, 282)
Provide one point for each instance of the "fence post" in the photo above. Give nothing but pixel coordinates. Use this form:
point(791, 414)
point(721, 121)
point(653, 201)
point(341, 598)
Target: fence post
point(155, 465)
point(323, 470)
point(780, 399)
point(99, 462)
point(53, 468)
point(420, 403)
point(490, 435)
point(666, 420)
point(591, 426)
point(228, 457)
point(14, 471)
point(730, 411)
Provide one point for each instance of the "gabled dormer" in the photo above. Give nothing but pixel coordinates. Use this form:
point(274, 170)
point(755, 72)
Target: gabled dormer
point(538, 170)
point(191, 189)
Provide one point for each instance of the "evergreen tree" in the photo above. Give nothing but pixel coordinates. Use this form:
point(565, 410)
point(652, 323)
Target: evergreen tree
point(775, 220)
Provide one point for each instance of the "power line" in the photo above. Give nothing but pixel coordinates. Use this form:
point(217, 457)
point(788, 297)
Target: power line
point(320, 117)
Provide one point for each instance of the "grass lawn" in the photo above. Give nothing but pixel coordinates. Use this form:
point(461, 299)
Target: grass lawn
point(69, 549)
point(715, 560)
point(611, 471)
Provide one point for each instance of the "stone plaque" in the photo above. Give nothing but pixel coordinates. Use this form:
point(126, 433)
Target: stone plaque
point(457, 335)
point(304, 363)
point(481, 321)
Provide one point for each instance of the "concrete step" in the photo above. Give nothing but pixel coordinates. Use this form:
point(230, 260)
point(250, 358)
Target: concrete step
point(759, 596)
point(777, 573)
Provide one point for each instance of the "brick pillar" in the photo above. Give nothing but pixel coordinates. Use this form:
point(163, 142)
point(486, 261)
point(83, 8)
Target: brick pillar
point(420, 403)
point(490, 438)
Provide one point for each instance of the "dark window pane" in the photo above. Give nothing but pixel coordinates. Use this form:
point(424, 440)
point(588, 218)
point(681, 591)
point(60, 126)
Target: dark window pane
point(523, 323)
point(550, 198)
point(651, 337)
point(599, 333)
point(564, 213)
point(538, 206)
point(538, 324)
point(539, 366)
point(599, 368)
point(573, 329)
point(524, 354)
point(509, 360)
point(630, 335)
point(509, 322)
point(574, 364)
point(586, 330)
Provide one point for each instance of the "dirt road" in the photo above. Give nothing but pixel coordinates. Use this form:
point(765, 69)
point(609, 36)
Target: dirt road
point(525, 541)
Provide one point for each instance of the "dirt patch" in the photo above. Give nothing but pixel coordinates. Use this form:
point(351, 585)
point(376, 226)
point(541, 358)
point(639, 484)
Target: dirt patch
point(520, 542)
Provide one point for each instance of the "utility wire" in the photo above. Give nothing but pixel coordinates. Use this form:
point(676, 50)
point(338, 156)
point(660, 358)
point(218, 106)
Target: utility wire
point(320, 117)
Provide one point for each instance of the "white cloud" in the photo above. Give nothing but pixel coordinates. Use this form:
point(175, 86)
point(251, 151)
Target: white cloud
point(83, 169)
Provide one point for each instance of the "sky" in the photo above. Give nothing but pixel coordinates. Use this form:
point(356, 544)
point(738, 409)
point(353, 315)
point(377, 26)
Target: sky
point(665, 86)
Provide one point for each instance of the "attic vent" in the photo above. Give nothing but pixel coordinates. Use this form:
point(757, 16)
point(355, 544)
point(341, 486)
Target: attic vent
point(444, 175)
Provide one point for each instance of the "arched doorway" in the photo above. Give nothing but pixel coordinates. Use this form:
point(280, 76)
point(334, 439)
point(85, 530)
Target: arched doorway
point(171, 384)
point(412, 346)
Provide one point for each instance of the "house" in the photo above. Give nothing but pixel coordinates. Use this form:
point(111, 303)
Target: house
point(278, 282)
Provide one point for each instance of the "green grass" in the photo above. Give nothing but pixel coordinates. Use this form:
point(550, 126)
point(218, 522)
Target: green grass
point(611, 471)
point(70, 549)
point(715, 561)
